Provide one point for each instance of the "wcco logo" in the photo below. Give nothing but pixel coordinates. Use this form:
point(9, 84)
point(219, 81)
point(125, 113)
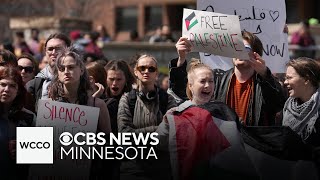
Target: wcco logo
point(34, 145)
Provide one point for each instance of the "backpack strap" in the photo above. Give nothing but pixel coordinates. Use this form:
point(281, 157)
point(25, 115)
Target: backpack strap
point(132, 100)
point(38, 82)
point(94, 102)
point(163, 101)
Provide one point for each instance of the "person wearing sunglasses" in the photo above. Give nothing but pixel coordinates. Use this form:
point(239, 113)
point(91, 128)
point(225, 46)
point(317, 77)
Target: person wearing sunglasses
point(141, 111)
point(28, 67)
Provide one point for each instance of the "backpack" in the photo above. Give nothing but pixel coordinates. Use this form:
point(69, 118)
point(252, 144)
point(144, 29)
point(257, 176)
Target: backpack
point(163, 100)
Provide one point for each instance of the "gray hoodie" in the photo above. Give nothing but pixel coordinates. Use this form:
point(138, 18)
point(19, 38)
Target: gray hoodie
point(45, 74)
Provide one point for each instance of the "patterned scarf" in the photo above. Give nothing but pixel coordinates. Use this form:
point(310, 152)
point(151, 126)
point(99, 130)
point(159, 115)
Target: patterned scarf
point(302, 118)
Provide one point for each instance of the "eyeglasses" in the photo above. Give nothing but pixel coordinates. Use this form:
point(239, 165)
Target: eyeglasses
point(144, 68)
point(27, 69)
point(58, 48)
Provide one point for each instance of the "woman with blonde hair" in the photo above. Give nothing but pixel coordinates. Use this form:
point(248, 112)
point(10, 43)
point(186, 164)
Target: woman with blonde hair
point(141, 111)
point(202, 136)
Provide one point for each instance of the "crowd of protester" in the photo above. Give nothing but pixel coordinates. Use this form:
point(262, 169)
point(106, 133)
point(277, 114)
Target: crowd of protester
point(135, 97)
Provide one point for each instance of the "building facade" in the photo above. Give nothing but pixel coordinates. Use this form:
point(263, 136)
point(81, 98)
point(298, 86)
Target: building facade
point(122, 16)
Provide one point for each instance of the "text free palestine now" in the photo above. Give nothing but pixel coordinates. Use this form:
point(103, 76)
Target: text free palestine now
point(215, 40)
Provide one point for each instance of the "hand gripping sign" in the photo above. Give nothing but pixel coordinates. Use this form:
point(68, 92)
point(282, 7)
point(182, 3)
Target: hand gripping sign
point(214, 33)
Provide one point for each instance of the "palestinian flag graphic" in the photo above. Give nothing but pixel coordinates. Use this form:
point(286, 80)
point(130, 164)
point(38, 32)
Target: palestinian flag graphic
point(191, 21)
point(207, 142)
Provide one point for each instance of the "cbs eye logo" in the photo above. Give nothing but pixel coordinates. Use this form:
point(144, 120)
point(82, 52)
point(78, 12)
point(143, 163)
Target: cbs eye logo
point(66, 138)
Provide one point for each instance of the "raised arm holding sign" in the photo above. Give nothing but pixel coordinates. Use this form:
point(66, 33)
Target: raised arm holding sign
point(248, 81)
point(214, 33)
point(265, 19)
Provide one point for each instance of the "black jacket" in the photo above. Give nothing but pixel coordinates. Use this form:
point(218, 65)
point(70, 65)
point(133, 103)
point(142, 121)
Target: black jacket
point(268, 98)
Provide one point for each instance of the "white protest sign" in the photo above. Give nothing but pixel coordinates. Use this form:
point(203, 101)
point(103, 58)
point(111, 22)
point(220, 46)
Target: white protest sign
point(213, 33)
point(65, 117)
point(266, 19)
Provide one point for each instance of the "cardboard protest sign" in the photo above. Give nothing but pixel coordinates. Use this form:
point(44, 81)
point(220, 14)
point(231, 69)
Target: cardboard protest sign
point(214, 33)
point(266, 19)
point(65, 117)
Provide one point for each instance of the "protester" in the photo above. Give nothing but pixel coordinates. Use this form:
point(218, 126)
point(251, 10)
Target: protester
point(43, 63)
point(119, 78)
point(28, 67)
point(301, 110)
point(141, 111)
point(303, 38)
point(156, 37)
point(147, 110)
point(38, 87)
point(134, 36)
point(98, 83)
point(92, 46)
point(249, 88)
point(7, 58)
point(166, 34)
point(77, 40)
point(103, 36)
point(163, 81)
point(20, 45)
point(34, 43)
point(97, 78)
point(12, 115)
point(70, 84)
point(197, 131)
point(6, 44)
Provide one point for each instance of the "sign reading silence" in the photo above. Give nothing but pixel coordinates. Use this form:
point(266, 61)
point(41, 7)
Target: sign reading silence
point(214, 33)
point(65, 117)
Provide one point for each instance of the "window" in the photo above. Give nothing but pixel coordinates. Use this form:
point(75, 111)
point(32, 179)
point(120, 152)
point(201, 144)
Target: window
point(126, 19)
point(153, 17)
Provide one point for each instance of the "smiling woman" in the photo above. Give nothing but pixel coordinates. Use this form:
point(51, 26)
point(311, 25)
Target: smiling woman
point(301, 110)
point(200, 83)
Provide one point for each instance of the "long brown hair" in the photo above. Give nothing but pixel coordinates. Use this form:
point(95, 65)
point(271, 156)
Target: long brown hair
point(98, 73)
point(120, 65)
point(7, 58)
point(56, 91)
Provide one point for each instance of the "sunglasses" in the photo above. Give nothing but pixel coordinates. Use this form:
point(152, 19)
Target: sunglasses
point(144, 68)
point(27, 69)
